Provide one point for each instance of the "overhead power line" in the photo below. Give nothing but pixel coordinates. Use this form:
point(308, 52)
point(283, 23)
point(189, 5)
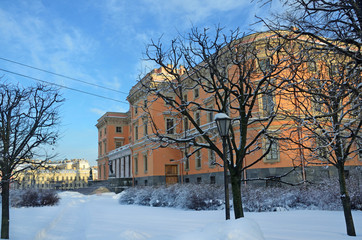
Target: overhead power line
point(61, 86)
point(61, 75)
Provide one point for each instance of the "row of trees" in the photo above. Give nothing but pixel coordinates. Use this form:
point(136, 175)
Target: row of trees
point(306, 72)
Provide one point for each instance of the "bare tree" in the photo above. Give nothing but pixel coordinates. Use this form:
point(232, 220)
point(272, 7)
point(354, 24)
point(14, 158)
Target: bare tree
point(333, 30)
point(235, 74)
point(28, 117)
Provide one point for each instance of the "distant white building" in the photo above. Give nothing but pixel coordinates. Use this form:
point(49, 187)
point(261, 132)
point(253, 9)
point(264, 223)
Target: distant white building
point(64, 174)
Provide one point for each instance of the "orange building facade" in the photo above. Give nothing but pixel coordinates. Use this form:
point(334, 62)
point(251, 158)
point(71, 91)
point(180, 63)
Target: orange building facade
point(113, 133)
point(148, 162)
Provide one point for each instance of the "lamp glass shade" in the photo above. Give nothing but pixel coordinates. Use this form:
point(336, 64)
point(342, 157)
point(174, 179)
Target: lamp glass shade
point(223, 122)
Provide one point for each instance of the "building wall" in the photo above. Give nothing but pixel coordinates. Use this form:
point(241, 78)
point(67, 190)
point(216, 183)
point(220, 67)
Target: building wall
point(113, 132)
point(151, 163)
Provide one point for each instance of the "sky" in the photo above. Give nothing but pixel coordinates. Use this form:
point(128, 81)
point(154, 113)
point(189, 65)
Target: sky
point(101, 45)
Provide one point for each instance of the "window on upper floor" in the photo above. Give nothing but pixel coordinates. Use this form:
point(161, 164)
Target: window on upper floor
point(118, 144)
point(312, 66)
point(105, 147)
point(186, 124)
point(264, 64)
point(145, 128)
point(170, 126)
point(210, 116)
point(196, 92)
point(169, 100)
point(118, 129)
point(185, 97)
point(136, 132)
point(268, 104)
point(197, 118)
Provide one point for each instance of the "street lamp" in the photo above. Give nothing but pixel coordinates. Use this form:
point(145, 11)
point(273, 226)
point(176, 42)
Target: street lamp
point(223, 122)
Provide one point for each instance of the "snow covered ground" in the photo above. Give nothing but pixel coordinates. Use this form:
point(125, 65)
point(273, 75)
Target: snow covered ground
point(101, 217)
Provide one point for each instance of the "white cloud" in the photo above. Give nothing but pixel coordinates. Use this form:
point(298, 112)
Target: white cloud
point(46, 42)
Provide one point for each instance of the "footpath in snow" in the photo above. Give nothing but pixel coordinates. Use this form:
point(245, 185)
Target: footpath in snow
point(101, 217)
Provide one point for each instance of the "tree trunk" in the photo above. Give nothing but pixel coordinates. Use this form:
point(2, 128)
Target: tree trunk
point(346, 202)
point(236, 190)
point(5, 215)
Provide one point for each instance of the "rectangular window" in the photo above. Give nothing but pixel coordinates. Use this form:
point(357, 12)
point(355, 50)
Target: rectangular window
point(145, 103)
point(100, 133)
point(136, 165)
point(105, 131)
point(145, 129)
point(312, 66)
point(333, 70)
point(198, 159)
point(100, 149)
point(170, 128)
point(212, 180)
point(118, 144)
point(210, 116)
point(145, 163)
point(186, 124)
point(268, 104)
point(105, 147)
point(196, 93)
point(118, 129)
point(197, 118)
point(317, 104)
point(135, 110)
point(322, 149)
point(187, 164)
point(273, 153)
point(169, 100)
point(185, 97)
point(359, 148)
point(356, 106)
point(212, 158)
point(264, 64)
point(136, 132)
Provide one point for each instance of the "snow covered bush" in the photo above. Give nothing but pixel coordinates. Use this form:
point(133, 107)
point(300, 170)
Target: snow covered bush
point(189, 196)
point(33, 198)
point(319, 196)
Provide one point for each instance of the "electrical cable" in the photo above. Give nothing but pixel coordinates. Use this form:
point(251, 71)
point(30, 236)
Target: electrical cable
point(61, 86)
point(61, 75)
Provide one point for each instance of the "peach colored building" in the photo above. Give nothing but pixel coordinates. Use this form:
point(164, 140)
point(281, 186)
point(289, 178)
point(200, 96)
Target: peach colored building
point(113, 132)
point(149, 163)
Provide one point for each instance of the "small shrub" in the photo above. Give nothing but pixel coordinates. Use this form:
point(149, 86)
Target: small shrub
point(33, 198)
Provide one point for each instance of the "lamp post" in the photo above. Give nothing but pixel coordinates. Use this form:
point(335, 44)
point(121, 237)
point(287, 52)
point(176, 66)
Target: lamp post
point(223, 125)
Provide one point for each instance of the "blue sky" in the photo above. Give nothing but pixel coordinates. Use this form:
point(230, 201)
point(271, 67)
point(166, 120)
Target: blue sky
point(100, 42)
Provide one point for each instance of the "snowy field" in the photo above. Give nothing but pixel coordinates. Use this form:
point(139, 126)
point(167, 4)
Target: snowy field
point(101, 217)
